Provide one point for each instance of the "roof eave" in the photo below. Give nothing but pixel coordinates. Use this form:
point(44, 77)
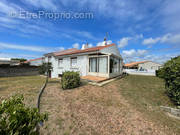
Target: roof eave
point(76, 54)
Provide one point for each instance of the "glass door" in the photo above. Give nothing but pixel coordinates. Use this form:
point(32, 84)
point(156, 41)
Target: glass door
point(93, 62)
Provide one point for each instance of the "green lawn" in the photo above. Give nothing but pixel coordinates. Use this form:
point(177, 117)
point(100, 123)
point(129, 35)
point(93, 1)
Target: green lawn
point(29, 86)
point(147, 94)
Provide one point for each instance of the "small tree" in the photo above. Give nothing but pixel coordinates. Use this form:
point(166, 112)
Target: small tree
point(16, 118)
point(45, 68)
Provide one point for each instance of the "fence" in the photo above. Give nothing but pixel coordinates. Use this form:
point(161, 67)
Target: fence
point(11, 71)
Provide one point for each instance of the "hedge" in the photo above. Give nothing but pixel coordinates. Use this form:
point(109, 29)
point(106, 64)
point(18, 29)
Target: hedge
point(171, 74)
point(70, 80)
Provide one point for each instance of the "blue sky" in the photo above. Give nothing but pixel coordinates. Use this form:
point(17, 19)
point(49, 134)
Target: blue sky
point(143, 30)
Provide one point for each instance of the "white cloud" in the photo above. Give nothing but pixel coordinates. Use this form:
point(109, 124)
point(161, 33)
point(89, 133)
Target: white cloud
point(101, 43)
point(134, 53)
point(46, 4)
point(159, 58)
point(149, 41)
point(25, 47)
point(118, 9)
point(85, 34)
point(129, 53)
point(60, 48)
point(7, 7)
point(142, 55)
point(76, 45)
point(90, 45)
point(168, 38)
point(123, 42)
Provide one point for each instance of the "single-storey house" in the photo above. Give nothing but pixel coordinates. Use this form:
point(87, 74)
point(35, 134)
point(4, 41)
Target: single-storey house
point(35, 62)
point(101, 61)
point(143, 66)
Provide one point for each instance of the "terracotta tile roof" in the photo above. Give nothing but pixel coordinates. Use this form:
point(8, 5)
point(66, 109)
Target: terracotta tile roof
point(86, 50)
point(134, 63)
point(33, 60)
point(64, 52)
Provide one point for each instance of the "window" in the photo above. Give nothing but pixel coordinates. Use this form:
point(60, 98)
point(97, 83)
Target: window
point(103, 64)
point(74, 62)
point(60, 62)
point(98, 64)
point(49, 58)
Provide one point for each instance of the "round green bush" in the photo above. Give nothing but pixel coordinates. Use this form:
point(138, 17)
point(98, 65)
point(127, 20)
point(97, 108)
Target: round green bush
point(70, 80)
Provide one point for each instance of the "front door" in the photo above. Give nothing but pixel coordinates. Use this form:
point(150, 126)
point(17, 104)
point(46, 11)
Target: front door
point(49, 74)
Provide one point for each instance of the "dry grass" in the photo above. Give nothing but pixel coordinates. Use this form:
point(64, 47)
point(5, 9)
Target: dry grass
point(146, 94)
point(29, 86)
point(107, 110)
point(126, 106)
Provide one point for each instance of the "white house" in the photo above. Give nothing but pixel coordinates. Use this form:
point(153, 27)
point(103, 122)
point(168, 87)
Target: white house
point(102, 61)
point(142, 68)
point(143, 65)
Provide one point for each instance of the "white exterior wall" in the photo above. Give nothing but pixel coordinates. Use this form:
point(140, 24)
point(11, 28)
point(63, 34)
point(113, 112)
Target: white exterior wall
point(82, 63)
point(149, 66)
point(111, 50)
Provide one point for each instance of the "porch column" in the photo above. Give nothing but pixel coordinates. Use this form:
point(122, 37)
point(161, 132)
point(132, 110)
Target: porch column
point(108, 65)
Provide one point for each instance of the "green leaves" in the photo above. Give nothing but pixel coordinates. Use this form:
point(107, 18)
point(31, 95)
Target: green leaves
point(171, 74)
point(70, 80)
point(45, 67)
point(16, 118)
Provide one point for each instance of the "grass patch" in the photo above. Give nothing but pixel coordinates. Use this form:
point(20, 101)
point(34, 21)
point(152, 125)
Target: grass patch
point(146, 94)
point(29, 86)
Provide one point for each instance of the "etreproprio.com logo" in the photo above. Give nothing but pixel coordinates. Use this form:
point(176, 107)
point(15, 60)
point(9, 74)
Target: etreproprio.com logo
point(51, 15)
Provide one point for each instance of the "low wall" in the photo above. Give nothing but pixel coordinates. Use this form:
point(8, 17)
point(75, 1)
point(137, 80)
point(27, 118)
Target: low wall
point(173, 111)
point(18, 71)
point(137, 72)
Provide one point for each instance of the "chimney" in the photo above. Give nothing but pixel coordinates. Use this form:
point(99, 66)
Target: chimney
point(84, 46)
point(104, 42)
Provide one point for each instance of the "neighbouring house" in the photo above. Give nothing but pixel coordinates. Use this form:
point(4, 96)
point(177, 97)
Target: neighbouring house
point(35, 62)
point(143, 66)
point(101, 61)
point(9, 61)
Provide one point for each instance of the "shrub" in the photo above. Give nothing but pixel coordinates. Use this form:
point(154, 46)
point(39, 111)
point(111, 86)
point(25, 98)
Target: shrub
point(171, 74)
point(16, 118)
point(160, 73)
point(70, 80)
